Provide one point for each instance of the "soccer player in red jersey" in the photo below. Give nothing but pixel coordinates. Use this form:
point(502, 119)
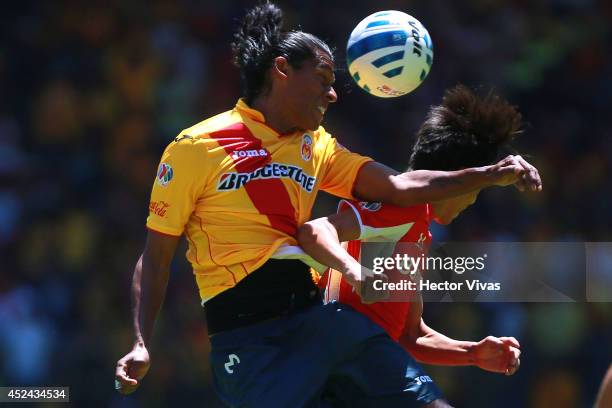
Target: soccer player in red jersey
point(465, 130)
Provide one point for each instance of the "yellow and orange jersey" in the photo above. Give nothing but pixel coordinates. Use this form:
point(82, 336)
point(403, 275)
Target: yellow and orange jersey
point(239, 191)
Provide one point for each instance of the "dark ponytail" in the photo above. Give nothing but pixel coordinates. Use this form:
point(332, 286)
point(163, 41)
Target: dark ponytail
point(260, 39)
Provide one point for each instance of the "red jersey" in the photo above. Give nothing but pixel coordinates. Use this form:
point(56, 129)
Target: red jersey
point(379, 223)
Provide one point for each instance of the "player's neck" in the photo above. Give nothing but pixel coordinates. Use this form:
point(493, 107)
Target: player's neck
point(274, 117)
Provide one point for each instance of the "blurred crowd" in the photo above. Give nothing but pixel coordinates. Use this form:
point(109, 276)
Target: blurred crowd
point(91, 92)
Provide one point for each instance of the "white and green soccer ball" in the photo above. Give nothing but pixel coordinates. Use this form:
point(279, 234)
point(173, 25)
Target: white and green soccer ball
point(389, 54)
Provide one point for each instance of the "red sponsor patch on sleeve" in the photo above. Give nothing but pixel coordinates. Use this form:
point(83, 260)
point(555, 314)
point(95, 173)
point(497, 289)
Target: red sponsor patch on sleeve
point(158, 208)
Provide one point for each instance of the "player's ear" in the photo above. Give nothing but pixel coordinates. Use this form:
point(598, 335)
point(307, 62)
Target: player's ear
point(280, 68)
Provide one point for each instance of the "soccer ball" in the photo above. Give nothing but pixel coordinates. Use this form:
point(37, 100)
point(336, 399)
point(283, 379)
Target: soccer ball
point(389, 54)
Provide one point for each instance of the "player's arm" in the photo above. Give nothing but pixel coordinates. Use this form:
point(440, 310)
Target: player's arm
point(150, 281)
point(321, 238)
point(180, 180)
point(377, 182)
point(500, 355)
point(149, 284)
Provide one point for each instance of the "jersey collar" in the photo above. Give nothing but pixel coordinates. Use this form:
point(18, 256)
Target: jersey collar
point(246, 110)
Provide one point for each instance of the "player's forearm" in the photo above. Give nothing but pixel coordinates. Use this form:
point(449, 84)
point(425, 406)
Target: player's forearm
point(431, 347)
point(424, 186)
point(149, 285)
point(320, 240)
point(442, 351)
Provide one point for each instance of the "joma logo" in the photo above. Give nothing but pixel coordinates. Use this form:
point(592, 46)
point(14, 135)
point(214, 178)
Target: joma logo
point(239, 154)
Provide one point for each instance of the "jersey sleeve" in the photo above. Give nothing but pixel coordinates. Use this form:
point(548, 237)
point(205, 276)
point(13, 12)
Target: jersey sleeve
point(179, 182)
point(341, 168)
point(384, 221)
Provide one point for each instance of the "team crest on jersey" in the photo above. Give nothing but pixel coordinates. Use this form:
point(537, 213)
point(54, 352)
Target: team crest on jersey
point(306, 148)
point(233, 180)
point(164, 174)
point(370, 206)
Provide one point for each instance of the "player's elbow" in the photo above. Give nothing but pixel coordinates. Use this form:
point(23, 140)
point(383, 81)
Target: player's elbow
point(307, 234)
point(420, 187)
point(315, 233)
point(407, 189)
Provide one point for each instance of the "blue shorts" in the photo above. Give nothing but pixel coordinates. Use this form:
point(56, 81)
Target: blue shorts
point(326, 356)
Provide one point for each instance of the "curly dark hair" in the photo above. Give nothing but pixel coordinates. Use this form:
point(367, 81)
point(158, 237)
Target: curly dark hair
point(466, 130)
point(260, 39)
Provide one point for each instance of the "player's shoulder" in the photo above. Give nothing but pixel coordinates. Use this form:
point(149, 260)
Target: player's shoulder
point(202, 130)
point(326, 142)
point(382, 214)
point(196, 138)
point(322, 136)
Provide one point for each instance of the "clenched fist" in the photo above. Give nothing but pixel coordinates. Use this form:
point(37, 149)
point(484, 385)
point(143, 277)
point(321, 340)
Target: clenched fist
point(514, 170)
point(131, 369)
point(498, 354)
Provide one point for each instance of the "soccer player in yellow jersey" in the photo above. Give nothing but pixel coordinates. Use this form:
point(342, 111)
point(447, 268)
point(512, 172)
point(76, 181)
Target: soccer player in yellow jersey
point(238, 185)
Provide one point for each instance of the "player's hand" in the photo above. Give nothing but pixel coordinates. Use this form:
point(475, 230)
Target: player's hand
point(131, 369)
point(514, 170)
point(362, 280)
point(498, 354)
